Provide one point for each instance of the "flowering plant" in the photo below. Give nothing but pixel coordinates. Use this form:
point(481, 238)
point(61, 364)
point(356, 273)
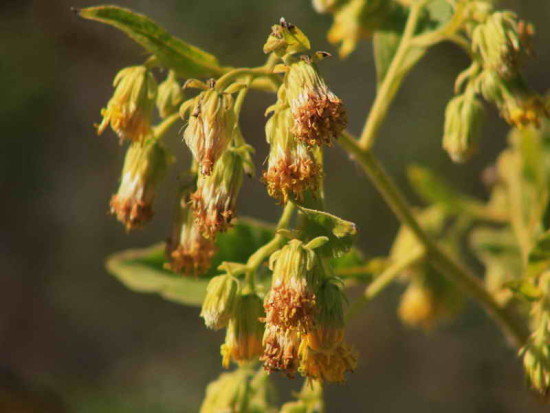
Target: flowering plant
point(279, 291)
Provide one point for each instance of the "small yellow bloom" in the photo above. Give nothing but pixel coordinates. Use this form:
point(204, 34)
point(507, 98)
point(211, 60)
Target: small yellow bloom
point(144, 166)
point(220, 301)
point(129, 110)
point(330, 366)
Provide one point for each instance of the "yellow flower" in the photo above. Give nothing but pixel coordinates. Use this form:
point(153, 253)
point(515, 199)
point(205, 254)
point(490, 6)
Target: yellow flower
point(329, 366)
point(220, 301)
point(129, 110)
point(144, 166)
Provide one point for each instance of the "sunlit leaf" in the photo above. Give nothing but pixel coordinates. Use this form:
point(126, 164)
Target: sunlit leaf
point(186, 60)
point(341, 234)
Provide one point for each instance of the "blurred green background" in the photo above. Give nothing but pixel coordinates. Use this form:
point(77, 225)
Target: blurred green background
point(73, 339)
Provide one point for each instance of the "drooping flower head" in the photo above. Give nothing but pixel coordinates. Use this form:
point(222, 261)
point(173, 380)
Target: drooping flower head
point(215, 201)
point(144, 166)
point(462, 126)
point(296, 276)
point(319, 115)
point(210, 127)
point(281, 350)
point(129, 110)
point(220, 302)
point(243, 341)
point(188, 251)
point(330, 366)
point(292, 168)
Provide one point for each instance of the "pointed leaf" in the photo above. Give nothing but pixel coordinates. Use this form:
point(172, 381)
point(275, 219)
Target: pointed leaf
point(186, 60)
point(341, 234)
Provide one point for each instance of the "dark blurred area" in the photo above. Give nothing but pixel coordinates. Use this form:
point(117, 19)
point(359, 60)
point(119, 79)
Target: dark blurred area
point(72, 338)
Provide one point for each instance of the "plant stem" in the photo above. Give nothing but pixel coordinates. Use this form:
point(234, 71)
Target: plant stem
point(392, 80)
point(165, 125)
point(383, 280)
point(266, 250)
point(455, 271)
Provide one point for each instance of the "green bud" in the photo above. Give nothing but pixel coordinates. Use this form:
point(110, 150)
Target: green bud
point(229, 393)
point(129, 110)
point(215, 201)
point(243, 341)
point(144, 166)
point(463, 118)
point(170, 96)
point(219, 304)
point(286, 38)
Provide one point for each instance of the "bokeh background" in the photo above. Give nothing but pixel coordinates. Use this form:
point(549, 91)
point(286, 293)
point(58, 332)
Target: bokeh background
point(72, 338)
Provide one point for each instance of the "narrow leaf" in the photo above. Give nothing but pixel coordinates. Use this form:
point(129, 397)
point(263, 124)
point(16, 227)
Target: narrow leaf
point(186, 60)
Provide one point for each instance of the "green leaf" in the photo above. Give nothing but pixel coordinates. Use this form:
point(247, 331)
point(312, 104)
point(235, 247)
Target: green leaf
point(186, 60)
point(142, 270)
point(341, 234)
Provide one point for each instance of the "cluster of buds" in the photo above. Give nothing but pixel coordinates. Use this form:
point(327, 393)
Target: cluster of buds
point(144, 166)
point(188, 251)
point(304, 318)
point(536, 353)
point(130, 109)
point(210, 124)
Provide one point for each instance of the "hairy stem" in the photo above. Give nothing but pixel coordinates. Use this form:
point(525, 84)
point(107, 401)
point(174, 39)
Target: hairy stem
point(448, 266)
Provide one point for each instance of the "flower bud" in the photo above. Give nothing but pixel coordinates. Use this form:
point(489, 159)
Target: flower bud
point(188, 251)
point(462, 126)
point(169, 96)
point(292, 168)
point(296, 276)
point(229, 393)
point(328, 332)
point(286, 38)
point(144, 166)
point(319, 115)
point(219, 304)
point(243, 341)
point(310, 399)
point(210, 127)
point(500, 42)
point(129, 110)
point(215, 201)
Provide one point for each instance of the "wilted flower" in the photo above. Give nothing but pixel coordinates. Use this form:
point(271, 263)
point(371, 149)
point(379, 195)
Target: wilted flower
point(220, 301)
point(215, 201)
point(292, 168)
point(329, 366)
point(462, 126)
point(243, 341)
point(144, 166)
point(129, 110)
point(296, 276)
point(188, 251)
point(170, 95)
point(281, 350)
point(210, 127)
point(319, 115)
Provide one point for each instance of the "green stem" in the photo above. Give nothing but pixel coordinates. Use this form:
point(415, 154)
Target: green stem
point(266, 250)
point(160, 130)
point(455, 271)
point(392, 80)
point(383, 280)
